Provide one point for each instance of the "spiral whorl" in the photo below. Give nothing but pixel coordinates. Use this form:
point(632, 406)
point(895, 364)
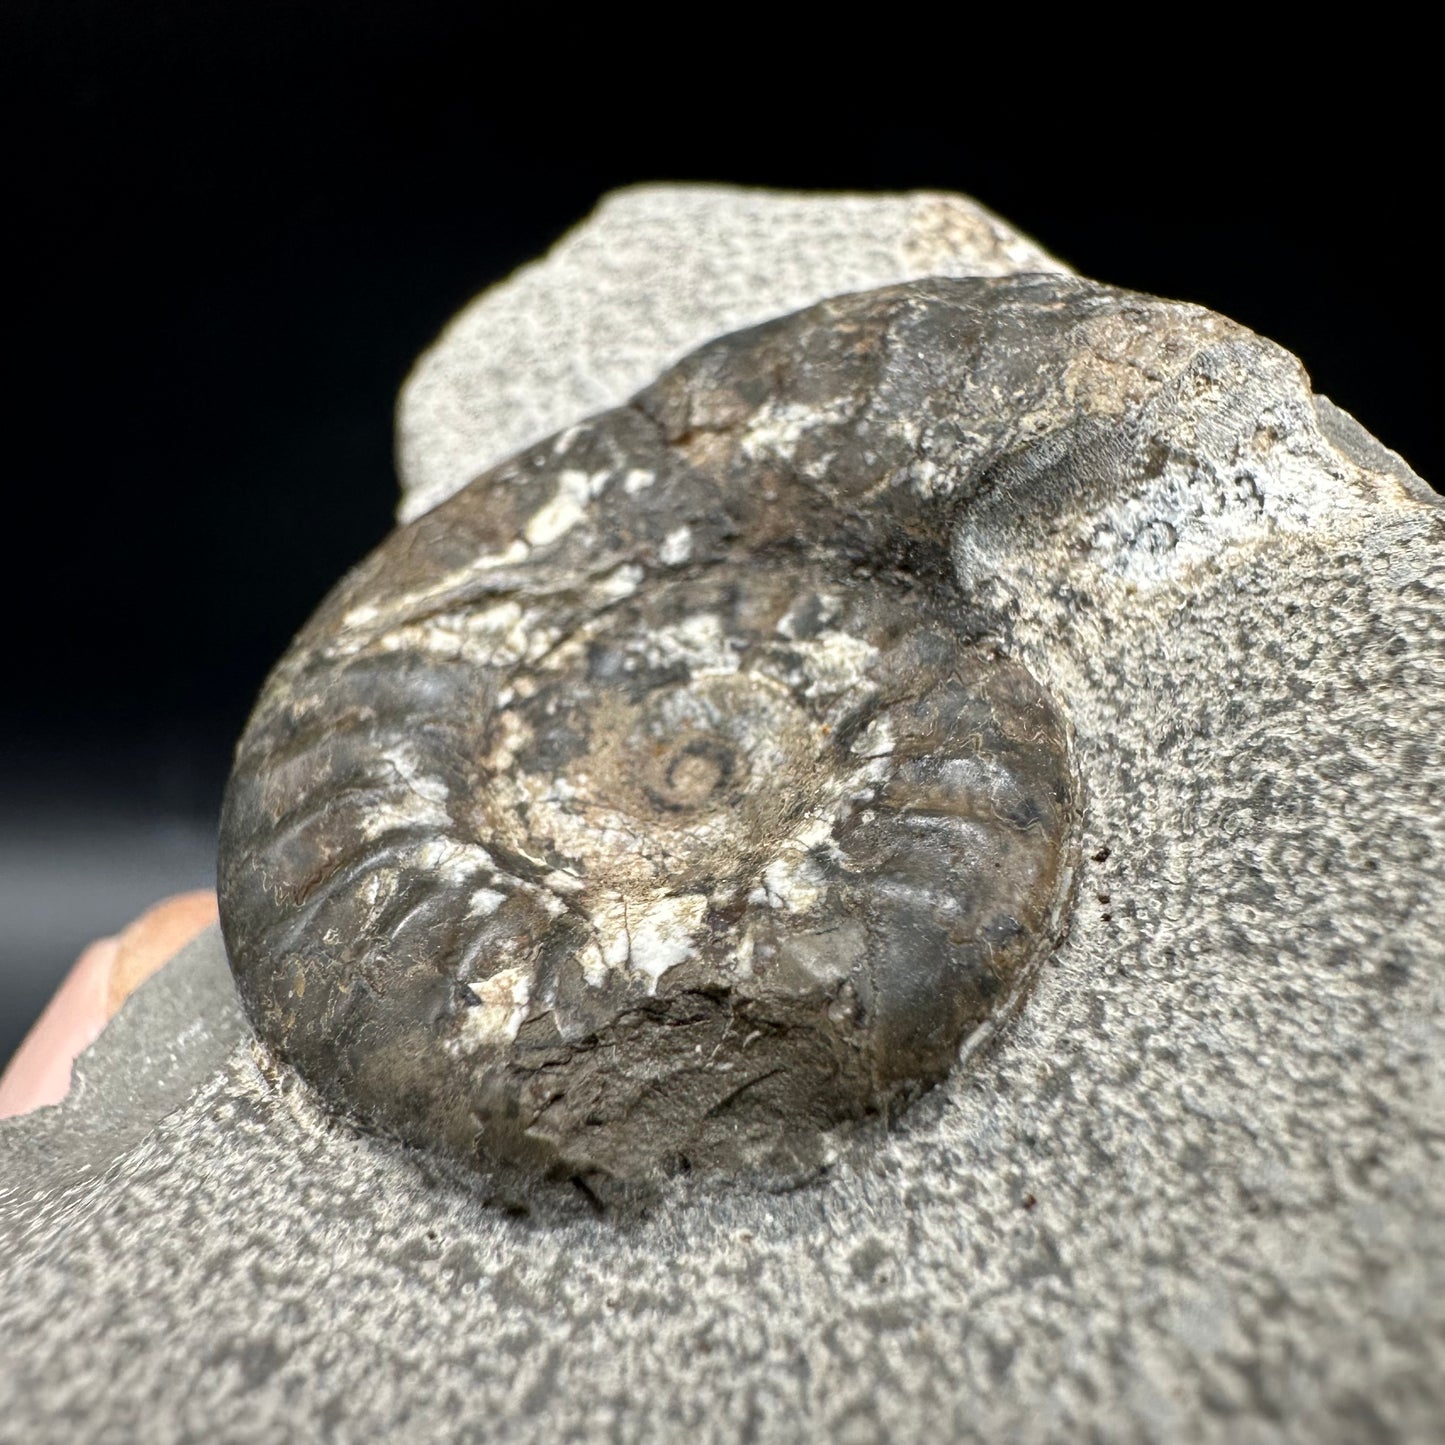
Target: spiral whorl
point(662, 800)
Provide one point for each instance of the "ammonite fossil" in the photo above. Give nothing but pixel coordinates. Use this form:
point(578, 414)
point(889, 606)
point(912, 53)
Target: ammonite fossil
point(667, 798)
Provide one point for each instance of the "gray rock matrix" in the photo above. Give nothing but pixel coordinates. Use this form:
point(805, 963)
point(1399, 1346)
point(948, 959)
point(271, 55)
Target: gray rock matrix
point(654, 273)
point(1191, 1192)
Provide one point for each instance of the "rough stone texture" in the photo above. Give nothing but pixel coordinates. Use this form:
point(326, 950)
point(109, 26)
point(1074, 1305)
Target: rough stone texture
point(1193, 1191)
point(655, 272)
point(168, 1038)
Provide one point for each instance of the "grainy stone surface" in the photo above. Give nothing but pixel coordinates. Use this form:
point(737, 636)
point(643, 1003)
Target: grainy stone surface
point(655, 272)
point(168, 1038)
point(1192, 1191)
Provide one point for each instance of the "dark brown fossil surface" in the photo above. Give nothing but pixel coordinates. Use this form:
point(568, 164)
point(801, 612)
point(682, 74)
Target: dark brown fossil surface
point(665, 799)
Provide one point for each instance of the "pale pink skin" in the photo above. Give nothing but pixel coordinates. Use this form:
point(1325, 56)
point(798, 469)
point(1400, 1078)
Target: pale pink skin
point(103, 977)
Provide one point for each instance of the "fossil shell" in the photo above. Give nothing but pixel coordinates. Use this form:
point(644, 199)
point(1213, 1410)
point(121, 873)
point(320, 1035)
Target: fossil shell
point(663, 799)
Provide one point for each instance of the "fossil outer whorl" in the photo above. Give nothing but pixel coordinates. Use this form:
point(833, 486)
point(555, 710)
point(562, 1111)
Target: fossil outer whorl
point(660, 800)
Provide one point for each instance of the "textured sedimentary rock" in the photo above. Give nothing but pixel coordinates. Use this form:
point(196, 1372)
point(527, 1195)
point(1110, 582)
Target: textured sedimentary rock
point(1192, 1190)
point(656, 272)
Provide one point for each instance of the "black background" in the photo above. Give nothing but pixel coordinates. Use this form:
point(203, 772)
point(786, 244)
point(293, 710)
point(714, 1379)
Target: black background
point(234, 227)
